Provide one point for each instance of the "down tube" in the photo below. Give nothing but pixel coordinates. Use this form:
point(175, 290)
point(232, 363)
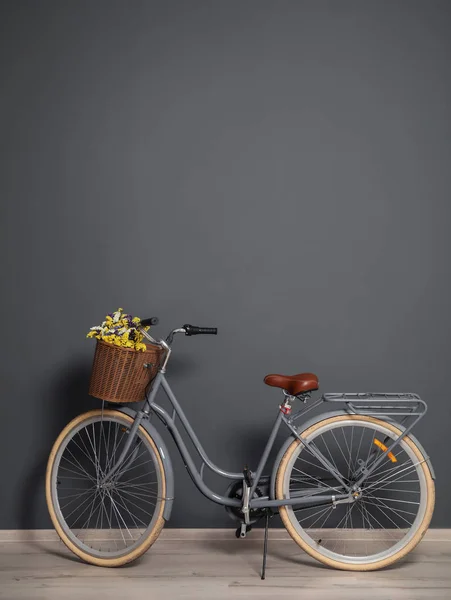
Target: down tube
point(192, 434)
point(188, 460)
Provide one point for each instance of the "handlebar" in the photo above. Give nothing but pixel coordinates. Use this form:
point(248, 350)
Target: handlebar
point(193, 330)
point(186, 329)
point(150, 321)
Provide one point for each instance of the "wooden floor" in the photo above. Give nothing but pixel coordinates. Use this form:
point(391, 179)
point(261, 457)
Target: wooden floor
point(216, 568)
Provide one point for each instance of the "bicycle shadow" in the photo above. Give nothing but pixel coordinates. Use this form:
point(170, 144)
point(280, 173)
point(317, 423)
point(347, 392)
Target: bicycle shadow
point(66, 397)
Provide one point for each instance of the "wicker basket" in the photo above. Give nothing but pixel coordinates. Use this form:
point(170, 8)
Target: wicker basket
point(122, 374)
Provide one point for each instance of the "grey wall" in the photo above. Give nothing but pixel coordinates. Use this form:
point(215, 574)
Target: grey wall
point(280, 170)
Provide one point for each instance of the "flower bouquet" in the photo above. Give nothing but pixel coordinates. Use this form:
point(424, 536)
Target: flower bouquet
point(120, 329)
point(123, 365)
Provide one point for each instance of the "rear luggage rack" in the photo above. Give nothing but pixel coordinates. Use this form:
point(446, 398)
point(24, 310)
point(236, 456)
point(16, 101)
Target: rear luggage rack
point(409, 406)
point(374, 404)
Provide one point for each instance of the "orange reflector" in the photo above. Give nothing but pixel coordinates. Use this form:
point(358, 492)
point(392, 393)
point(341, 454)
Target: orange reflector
point(383, 447)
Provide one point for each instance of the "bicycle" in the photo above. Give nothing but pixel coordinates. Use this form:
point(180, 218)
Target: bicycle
point(353, 486)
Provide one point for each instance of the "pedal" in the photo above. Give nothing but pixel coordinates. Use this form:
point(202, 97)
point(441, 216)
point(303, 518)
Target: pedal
point(242, 530)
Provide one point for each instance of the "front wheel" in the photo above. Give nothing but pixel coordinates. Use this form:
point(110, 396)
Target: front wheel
point(391, 511)
point(105, 521)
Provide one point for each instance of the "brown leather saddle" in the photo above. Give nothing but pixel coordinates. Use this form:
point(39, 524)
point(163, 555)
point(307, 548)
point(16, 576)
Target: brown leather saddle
point(294, 384)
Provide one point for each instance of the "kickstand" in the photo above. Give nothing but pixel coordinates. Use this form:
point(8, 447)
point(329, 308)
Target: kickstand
point(265, 545)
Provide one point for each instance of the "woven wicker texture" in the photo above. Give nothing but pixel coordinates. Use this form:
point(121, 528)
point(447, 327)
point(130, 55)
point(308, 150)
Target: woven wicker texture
point(122, 374)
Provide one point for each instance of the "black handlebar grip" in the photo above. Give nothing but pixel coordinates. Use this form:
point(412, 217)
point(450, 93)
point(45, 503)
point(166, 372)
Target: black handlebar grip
point(193, 330)
point(150, 321)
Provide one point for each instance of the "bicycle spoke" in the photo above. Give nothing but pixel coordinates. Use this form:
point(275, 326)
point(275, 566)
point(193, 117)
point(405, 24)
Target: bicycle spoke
point(138, 477)
point(328, 514)
point(376, 476)
point(389, 533)
point(75, 496)
point(109, 519)
point(317, 466)
point(82, 451)
point(94, 451)
point(354, 465)
point(72, 471)
point(134, 504)
point(116, 445)
point(140, 497)
point(395, 500)
point(116, 514)
point(320, 511)
point(77, 508)
point(118, 475)
point(90, 513)
point(316, 479)
point(378, 502)
point(107, 446)
point(403, 491)
point(76, 465)
point(409, 468)
point(380, 506)
point(330, 455)
point(350, 451)
point(339, 447)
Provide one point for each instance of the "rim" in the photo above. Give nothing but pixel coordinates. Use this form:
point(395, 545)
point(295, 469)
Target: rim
point(391, 503)
point(105, 519)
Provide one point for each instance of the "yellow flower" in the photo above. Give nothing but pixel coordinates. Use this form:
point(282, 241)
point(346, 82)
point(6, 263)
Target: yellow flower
point(116, 329)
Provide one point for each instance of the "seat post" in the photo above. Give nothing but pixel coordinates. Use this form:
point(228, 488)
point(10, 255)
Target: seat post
point(285, 408)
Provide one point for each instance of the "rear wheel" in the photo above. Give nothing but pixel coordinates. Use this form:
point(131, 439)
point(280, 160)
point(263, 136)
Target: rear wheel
point(392, 509)
point(105, 523)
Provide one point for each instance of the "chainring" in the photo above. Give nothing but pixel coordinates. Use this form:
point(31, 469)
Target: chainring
point(235, 490)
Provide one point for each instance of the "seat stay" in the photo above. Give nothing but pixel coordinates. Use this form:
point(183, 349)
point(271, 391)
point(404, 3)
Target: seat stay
point(317, 454)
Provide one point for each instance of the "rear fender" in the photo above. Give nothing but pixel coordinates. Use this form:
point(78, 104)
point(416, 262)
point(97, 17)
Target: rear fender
point(322, 417)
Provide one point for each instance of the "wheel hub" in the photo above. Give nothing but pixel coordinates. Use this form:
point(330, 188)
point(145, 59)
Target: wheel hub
point(357, 493)
point(108, 485)
point(235, 490)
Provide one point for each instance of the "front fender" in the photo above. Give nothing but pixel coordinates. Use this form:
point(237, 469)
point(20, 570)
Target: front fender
point(322, 417)
point(164, 455)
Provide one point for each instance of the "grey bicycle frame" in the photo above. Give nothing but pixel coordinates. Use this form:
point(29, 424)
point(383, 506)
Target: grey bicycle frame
point(197, 474)
point(389, 405)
